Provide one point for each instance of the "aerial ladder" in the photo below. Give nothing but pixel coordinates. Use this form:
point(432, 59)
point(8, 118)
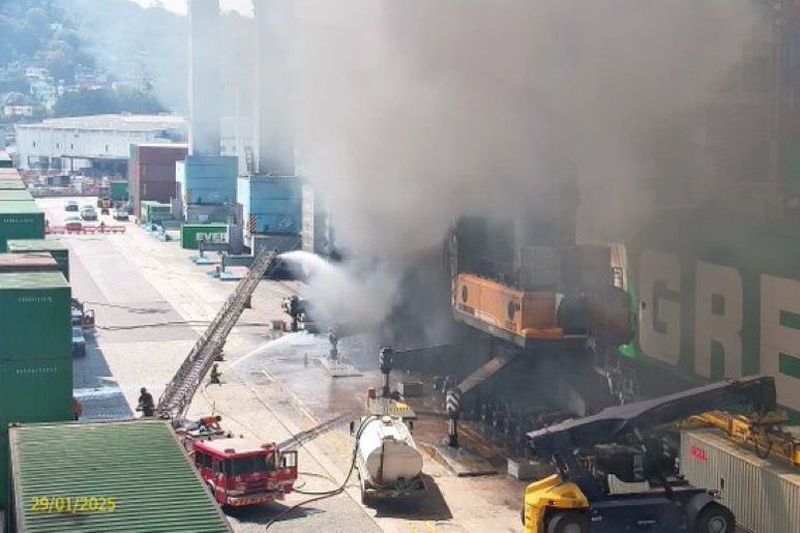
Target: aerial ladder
point(175, 400)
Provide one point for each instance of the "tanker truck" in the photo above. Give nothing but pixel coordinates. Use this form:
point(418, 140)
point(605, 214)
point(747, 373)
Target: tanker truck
point(388, 463)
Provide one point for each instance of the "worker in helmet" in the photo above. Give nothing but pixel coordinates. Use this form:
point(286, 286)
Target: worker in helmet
point(215, 375)
point(146, 404)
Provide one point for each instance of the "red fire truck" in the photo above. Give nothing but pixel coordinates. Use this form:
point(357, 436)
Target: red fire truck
point(243, 472)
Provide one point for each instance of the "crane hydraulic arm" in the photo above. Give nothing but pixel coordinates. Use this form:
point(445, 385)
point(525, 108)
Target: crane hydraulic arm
point(178, 394)
point(757, 393)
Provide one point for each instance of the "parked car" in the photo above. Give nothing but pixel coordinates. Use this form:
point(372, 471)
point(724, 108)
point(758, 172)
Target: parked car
point(78, 342)
point(71, 205)
point(73, 223)
point(119, 213)
point(88, 212)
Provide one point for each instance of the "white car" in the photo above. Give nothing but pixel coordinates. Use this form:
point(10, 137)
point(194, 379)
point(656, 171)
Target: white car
point(88, 212)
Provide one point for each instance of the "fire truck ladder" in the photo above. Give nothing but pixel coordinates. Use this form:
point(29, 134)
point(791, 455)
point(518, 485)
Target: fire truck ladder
point(176, 398)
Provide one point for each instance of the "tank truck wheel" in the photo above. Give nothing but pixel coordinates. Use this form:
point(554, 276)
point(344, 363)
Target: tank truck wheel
point(715, 518)
point(568, 523)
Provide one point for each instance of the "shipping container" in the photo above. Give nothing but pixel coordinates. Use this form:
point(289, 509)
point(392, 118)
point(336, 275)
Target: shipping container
point(155, 212)
point(28, 262)
point(12, 184)
point(764, 494)
point(15, 195)
point(193, 234)
point(55, 247)
point(20, 220)
point(36, 316)
point(137, 470)
point(270, 205)
point(118, 191)
point(208, 179)
point(151, 173)
point(35, 391)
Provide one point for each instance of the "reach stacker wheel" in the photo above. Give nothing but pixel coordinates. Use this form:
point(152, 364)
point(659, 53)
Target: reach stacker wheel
point(715, 518)
point(570, 522)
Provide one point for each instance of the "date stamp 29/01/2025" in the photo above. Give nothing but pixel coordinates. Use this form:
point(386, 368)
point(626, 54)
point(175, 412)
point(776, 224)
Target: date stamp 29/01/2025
point(73, 504)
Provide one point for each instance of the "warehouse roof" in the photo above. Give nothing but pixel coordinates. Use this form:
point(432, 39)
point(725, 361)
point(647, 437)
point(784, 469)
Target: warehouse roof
point(139, 465)
point(121, 122)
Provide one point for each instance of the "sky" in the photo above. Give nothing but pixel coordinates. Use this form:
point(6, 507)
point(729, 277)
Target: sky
point(244, 7)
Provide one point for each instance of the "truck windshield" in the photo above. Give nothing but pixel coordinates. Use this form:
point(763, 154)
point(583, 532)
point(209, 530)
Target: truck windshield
point(251, 465)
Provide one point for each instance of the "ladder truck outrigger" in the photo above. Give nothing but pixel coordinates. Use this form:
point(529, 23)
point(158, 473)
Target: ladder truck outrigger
point(238, 472)
point(589, 451)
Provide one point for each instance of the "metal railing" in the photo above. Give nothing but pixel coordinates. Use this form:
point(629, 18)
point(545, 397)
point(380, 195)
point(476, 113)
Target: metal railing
point(176, 398)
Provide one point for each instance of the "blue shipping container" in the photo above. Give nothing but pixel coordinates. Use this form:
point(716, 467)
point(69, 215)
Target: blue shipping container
point(209, 180)
point(270, 204)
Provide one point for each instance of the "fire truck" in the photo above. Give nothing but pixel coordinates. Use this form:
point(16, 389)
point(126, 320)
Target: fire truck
point(239, 472)
point(242, 472)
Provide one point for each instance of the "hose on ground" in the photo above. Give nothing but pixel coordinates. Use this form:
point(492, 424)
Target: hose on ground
point(332, 492)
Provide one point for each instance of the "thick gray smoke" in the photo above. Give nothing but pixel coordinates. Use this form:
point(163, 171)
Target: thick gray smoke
point(416, 111)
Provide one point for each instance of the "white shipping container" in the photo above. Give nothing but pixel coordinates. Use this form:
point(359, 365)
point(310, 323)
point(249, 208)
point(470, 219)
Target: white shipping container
point(764, 494)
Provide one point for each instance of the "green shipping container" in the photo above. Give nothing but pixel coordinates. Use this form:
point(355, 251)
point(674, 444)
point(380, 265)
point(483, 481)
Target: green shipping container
point(137, 469)
point(57, 249)
point(32, 391)
point(35, 316)
point(118, 191)
point(193, 234)
point(155, 211)
point(11, 184)
point(15, 195)
point(35, 391)
point(20, 220)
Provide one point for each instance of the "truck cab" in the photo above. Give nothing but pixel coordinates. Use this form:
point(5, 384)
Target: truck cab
point(243, 472)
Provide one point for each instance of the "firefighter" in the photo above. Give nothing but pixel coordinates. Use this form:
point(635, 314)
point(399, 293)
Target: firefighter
point(146, 404)
point(215, 375)
point(210, 423)
point(77, 408)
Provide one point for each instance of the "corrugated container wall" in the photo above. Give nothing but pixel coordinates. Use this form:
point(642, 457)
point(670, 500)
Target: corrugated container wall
point(151, 173)
point(763, 494)
point(36, 391)
point(15, 195)
point(56, 248)
point(208, 180)
point(20, 220)
point(271, 205)
point(36, 316)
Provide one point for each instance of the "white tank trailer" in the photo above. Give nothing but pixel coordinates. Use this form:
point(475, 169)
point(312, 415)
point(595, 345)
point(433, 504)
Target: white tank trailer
point(388, 462)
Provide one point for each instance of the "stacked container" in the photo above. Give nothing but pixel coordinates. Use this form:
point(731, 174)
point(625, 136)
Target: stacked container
point(208, 180)
point(54, 247)
point(270, 205)
point(35, 354)
point(154, 212)
point(193, 234)
point(15, 195)
point(20, 220)
point(151, 172)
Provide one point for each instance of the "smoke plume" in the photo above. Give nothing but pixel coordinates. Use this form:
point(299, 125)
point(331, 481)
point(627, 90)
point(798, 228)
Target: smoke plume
point(416, 112)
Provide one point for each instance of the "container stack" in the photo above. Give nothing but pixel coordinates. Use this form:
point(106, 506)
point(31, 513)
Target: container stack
point(35, 326)
point(151, 173)
point(35, 354)
point(207, 188)
point(271, 209)
point(57, 249)
point(193, 234)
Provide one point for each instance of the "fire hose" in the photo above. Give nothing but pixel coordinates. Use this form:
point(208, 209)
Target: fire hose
point(329, 493)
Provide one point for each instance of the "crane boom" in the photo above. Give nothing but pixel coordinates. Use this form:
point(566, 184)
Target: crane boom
point(178, 394)
point(612, 423)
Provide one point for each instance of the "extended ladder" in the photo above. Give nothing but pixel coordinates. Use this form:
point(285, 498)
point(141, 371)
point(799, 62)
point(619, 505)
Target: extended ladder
point(181, 389)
